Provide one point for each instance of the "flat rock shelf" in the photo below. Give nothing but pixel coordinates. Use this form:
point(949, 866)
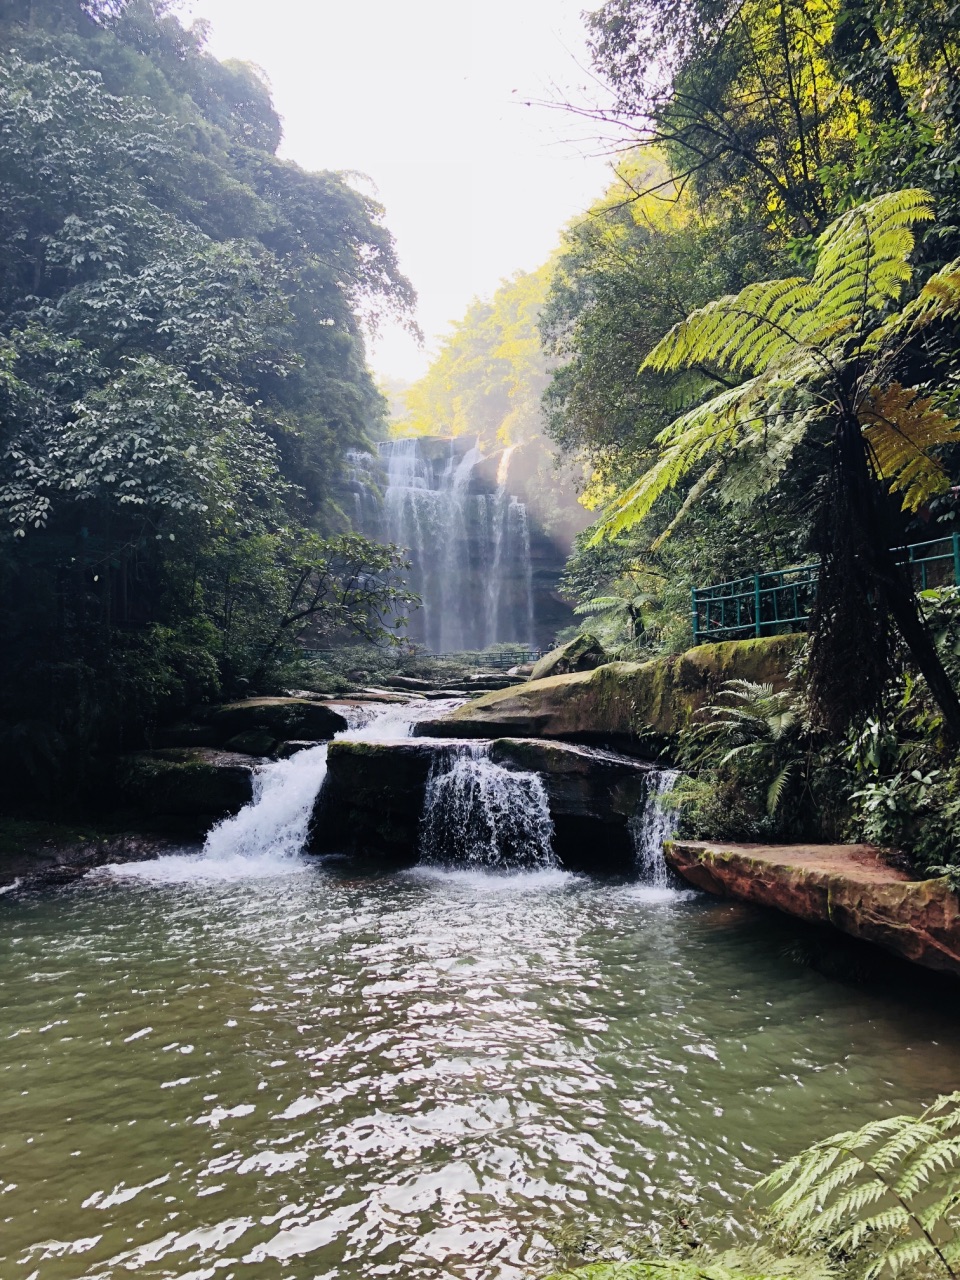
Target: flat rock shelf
point(850, 887)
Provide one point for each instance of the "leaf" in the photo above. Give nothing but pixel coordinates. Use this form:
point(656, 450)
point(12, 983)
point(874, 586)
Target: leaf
point(902, 429)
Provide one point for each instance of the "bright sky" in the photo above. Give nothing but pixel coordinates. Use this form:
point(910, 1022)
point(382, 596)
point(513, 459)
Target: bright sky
point(426, 97)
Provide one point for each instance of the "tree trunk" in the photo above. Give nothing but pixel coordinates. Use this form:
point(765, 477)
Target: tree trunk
point(901, 600)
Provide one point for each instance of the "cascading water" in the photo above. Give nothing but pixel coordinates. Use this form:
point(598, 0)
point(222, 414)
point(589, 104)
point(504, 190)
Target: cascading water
point(267, 835)
point(469, 548)
point(652, 826)
point(478, 814)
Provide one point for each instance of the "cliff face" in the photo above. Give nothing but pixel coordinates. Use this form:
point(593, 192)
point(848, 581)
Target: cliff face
point(487, 537)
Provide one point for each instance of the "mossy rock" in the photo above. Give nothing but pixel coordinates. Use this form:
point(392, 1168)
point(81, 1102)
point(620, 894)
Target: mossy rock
point(282, 718)
point(582, 653)
point(186, 781)
point(639, 706)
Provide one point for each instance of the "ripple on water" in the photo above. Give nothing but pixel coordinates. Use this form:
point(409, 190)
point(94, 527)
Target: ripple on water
point(325, 1073)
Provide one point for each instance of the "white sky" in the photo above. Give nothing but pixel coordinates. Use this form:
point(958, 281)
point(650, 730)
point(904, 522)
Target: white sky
point(426, 97)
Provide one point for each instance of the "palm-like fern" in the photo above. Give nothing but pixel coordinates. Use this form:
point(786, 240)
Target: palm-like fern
point(761, 724)
point(892, 1186)
point(821, 353)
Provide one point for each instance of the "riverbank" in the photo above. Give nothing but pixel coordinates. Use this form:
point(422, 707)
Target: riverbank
point(34, 852)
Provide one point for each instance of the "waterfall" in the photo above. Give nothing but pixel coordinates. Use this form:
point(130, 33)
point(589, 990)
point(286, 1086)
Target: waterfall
point(652, 826)
point(478, 814)
point(469, 547)
point(269, 833)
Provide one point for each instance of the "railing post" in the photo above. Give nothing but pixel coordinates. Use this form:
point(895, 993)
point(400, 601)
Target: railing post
point(694, 615)
point(956, 559)
point(756, 604)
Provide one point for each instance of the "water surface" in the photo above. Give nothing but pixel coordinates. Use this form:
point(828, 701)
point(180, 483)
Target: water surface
point(332, 1073)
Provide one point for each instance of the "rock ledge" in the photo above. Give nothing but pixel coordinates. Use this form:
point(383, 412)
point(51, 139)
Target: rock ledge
point(847, 886)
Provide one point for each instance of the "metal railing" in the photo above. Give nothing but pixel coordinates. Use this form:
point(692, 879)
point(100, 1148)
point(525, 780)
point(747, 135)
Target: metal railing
point(780, 600)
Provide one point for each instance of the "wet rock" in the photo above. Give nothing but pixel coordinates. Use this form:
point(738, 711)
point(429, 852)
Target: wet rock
point(295, 745)
point(192, 782)
point(582, 653)
point(634, 706)
point(372, 800)
point(850, 887)
point(283, 718)
point(255, 742)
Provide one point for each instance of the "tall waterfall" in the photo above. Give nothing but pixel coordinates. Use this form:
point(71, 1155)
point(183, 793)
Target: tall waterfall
point(478, 814)
point(652, 826)
point(467, 537)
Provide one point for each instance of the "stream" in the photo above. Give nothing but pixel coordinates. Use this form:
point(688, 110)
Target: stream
point(248, 1062)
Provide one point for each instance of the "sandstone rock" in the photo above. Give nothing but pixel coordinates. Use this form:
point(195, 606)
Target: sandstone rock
point(372, 800)
point(847, 886)
point(582, 653)
point(282, 717)
point(635, 706)
point(194, 782)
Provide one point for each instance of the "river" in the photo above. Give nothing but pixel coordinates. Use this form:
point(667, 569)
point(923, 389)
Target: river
point(316, 1069)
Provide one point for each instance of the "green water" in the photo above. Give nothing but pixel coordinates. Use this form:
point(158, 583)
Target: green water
point(326, 1073)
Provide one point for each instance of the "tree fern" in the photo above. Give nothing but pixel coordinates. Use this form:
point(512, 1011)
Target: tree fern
point(820, 354)
point(891, 1187)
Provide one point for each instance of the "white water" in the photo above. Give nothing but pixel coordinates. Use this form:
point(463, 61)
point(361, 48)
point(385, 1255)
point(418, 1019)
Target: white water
point(651, 827)
point(267, 836)
point(478, 814)
point(469, 548)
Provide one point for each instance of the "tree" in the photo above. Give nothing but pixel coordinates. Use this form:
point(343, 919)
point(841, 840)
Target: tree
point(814, 363)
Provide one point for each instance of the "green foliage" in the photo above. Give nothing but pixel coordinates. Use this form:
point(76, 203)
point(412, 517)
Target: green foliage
point(182, 319)
point(888, 1193)
point(489, 373)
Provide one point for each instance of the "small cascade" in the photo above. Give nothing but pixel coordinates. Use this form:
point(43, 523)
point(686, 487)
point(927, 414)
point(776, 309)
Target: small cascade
point(652, 826)
point(478, 814)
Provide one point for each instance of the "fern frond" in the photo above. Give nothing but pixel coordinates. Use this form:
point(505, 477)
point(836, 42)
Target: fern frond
point(902, 429)
point(742, 332)
point(864, 258)
point(709, 428)
point(777, 787)
point(939, 299)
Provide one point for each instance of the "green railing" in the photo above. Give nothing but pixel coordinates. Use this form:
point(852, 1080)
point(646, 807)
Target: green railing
point(778, 601)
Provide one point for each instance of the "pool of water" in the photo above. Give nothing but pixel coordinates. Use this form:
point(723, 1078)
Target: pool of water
point(334, 1073)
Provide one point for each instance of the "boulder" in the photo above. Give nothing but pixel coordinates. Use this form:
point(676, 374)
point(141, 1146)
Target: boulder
point(194, 782)
point(373, 797)
point(283, 718)
point(636, 707)
point(185, 735)
point(255, 742)
point(847, 886)
point(582, 653)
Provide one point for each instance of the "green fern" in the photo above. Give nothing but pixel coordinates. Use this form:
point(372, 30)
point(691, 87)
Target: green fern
point(891, 1187)
point(806, 350)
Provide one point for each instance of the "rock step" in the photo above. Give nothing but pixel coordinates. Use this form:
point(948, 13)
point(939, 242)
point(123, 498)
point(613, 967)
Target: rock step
point(847, 886)
point(635, 706)
point(372, 800)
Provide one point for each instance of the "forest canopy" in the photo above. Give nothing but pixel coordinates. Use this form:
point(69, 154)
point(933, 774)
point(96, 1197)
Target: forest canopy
point(182, 372)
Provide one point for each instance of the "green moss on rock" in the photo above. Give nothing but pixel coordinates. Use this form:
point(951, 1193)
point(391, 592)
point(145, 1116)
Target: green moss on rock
point(624, 703)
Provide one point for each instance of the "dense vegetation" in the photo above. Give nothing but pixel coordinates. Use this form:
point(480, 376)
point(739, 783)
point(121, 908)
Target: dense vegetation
point(754, 338)
point(182, 371)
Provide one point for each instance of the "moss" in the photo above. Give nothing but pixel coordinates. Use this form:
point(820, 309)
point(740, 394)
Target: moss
point(624, 700)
